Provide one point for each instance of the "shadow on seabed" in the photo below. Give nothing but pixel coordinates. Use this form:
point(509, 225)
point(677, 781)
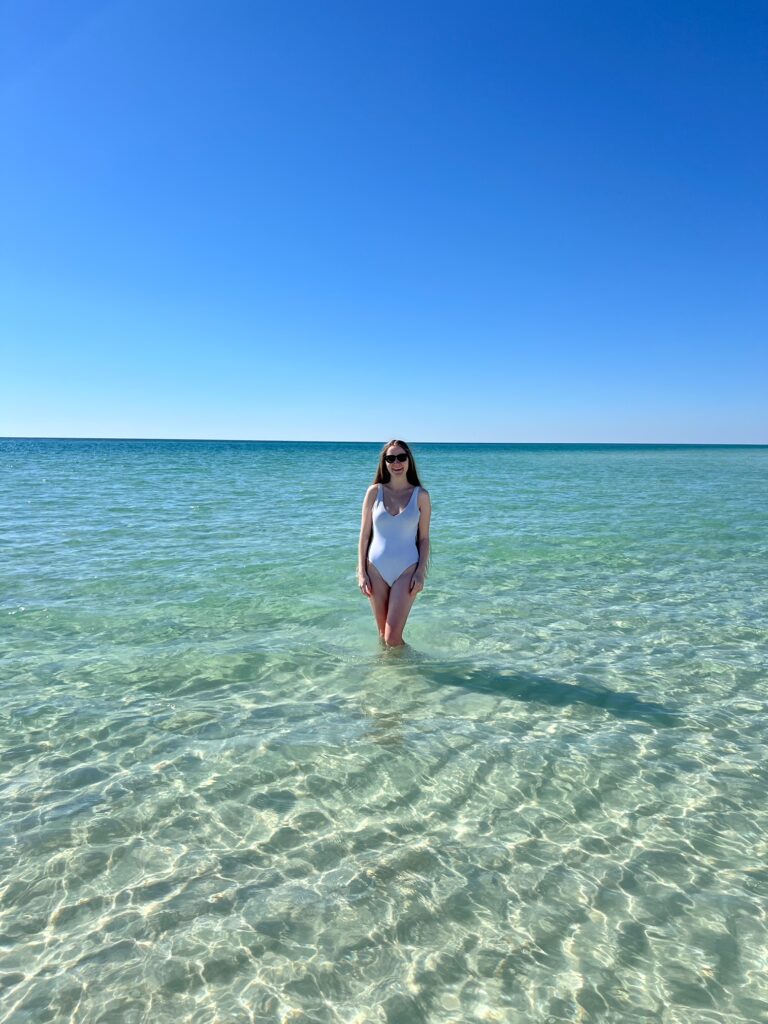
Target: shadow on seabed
point(533, 688)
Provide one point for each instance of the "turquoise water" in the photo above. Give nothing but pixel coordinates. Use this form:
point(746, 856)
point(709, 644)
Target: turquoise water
point(222, 801)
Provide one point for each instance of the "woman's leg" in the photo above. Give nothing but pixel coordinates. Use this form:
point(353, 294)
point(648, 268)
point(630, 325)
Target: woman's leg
point(379, 598)
point(400, 600)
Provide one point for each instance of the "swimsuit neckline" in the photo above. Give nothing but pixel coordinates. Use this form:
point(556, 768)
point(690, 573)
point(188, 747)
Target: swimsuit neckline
point(395, 516)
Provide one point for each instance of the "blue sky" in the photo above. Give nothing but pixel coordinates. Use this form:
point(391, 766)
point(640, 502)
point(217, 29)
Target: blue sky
point(469, 221)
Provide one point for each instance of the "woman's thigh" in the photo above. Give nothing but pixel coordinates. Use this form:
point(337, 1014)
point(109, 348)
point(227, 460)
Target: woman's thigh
point(380, 596)
point(401, 599)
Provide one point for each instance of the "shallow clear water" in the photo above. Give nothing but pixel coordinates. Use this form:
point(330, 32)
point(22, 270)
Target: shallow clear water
point(220, 800)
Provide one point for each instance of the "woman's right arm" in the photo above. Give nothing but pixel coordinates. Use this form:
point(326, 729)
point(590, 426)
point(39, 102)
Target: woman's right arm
point(366, 527)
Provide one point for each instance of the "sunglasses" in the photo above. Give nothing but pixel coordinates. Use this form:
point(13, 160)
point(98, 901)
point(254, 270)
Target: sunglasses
point(396, 458)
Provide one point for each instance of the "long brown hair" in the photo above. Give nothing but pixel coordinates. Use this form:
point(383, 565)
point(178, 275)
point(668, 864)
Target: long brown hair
point(382, 473)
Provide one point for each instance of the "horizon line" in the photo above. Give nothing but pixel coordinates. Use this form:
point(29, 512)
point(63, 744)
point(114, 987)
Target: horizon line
point(275, 440)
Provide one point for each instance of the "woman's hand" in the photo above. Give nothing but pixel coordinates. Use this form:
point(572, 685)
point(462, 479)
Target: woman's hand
point(417, 581)
point(364, 582)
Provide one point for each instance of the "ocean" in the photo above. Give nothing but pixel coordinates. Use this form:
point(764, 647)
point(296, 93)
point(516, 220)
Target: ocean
point(221, 800)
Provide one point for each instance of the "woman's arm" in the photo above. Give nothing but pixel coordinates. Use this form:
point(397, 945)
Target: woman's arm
point(366, 527)
point(420, 572)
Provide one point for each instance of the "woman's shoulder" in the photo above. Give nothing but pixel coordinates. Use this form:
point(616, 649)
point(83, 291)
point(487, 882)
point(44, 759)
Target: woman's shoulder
point(423, 493)
point(371, 492)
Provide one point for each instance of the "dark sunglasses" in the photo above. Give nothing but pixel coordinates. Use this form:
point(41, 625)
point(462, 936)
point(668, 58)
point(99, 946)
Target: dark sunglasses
point(396, 458)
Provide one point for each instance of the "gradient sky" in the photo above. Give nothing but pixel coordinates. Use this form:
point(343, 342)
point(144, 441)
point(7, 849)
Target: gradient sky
point(461, 221)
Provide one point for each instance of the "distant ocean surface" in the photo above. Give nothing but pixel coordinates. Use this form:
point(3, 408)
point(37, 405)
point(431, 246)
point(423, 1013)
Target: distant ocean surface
point(221, 801)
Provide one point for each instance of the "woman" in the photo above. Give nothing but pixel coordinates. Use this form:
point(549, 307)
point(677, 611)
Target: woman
point(394, 541)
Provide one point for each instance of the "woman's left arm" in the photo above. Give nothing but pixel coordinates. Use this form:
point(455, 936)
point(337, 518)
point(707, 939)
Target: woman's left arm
point(425, 513)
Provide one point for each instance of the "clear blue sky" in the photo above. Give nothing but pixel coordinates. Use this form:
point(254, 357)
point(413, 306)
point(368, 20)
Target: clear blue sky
point(491, 221)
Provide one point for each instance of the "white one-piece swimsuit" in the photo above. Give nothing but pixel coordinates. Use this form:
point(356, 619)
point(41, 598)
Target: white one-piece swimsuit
point(393, 545)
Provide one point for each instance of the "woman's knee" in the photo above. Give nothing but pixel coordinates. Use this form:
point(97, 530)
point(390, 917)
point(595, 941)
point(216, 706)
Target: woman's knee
point(393, 635)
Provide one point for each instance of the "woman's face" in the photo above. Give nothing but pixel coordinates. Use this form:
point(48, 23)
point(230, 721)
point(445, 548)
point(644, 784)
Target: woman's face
point(397, 468)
